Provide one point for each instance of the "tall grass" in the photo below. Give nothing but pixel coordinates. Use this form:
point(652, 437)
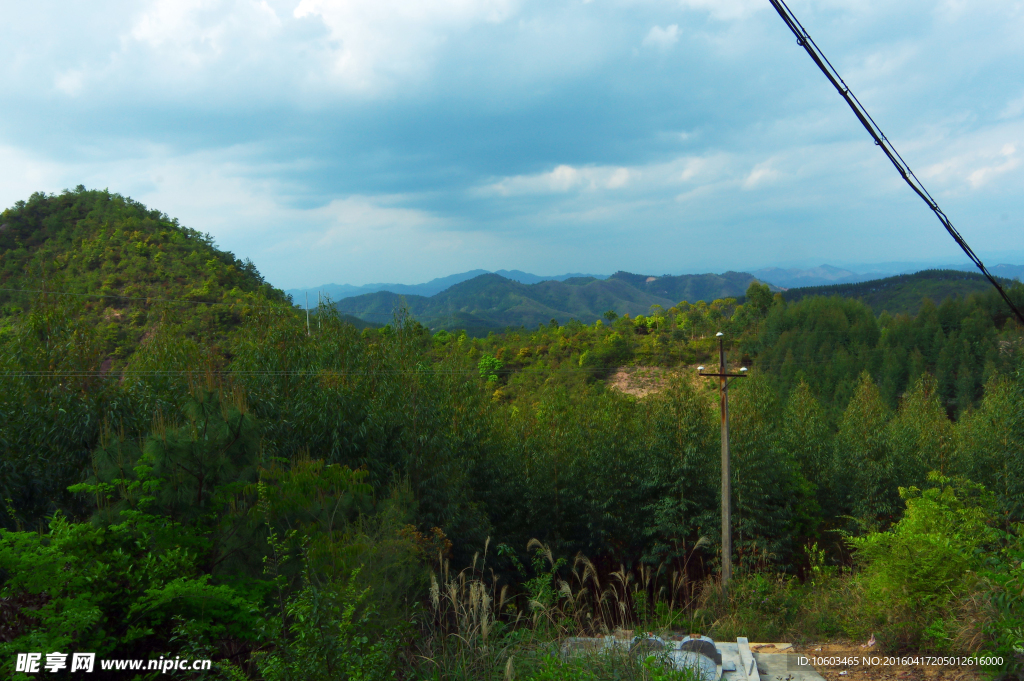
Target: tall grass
point(478, 629)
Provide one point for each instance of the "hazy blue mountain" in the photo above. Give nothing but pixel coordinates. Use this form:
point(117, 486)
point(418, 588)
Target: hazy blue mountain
point(434, 286)
point(333, 291)
point(493, 302)
point(340, 291)
point(1001, 270)
point(822, 275)
point(1008, 271)
point(527, 278)
point(691, 287)
point(827, 275)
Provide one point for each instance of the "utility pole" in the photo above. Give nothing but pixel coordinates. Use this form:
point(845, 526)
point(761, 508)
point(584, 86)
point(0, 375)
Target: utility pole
point(319, 312)
point(723, 376)
point(307, 313)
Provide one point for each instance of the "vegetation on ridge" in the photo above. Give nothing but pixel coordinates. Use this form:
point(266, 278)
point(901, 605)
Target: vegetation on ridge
point(905, 293)
point(490, 302)
point(132, 267)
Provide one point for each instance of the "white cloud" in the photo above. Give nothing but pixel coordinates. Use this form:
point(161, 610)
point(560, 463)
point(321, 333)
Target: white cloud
point(725, 9)
point(763, 173)
point(980, 176)
point(375, 40)
point(195, 32)
point(975, 169)
point(1013, 109)
point(618, 179)
point(692, 168)
point(22, 173)
point(70, 82)
point(563, 179)
point(662, 38)
point(363, 46)
point(714, 168)
point(356, 222)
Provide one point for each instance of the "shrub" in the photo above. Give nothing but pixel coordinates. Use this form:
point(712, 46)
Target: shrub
point(914, 573)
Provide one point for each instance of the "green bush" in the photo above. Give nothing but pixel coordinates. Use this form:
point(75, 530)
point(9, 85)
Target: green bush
point(914, 573)
point(326, 638)
point(115, 590)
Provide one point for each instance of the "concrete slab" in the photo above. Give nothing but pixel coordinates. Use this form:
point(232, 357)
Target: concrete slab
point(748, 665)
point(740, 661)
point(732, 666)
point(784, 667)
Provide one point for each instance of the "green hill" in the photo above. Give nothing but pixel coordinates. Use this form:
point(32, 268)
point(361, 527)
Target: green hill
point(904, 293)
point(128, 266)
point(692, 287)
point(492, 302)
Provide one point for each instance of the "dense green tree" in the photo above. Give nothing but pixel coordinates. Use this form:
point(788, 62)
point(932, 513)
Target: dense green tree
point(863, 459)
point(770, 492)
point(808, 436)
point(989, 445)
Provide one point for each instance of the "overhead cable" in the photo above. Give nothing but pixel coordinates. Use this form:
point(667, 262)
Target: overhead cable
point(803, 39)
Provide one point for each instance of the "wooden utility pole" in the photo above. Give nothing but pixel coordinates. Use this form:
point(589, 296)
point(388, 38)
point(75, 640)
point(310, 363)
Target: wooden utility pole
point(723, 376)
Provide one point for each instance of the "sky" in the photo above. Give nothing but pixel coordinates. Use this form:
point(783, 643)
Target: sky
point(359, 141)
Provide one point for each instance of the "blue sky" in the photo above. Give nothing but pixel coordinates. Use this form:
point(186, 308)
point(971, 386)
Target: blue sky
point(356, 141)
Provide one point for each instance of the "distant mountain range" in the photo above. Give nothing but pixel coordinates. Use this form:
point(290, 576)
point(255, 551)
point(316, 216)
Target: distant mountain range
point(338, 292)
point(816, 276)
point(481, 301)
point(491, 301)
point(823, 275)
point(827, 275)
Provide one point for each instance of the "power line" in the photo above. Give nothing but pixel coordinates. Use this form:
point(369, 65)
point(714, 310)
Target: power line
point(803, 38)
point(148, 299)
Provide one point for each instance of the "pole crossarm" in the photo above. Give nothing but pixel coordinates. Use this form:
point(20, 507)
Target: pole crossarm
point(803, 39)
point(723, 375)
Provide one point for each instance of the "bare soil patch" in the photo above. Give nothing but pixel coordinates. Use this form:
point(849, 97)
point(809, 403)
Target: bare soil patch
point(640, 381)
point(644, 381)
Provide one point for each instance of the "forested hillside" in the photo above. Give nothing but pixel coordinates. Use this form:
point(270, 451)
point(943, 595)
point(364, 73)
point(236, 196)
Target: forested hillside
point(490, 302)
point(905, 293)
point(130, 266)
point(692, 287)
point(416, 504)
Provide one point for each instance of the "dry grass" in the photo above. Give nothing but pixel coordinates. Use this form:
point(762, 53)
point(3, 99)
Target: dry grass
point(479, 630)
point(476, 629)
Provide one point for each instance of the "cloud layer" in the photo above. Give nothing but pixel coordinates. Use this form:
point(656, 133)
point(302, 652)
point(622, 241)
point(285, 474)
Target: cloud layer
point(355, 141)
